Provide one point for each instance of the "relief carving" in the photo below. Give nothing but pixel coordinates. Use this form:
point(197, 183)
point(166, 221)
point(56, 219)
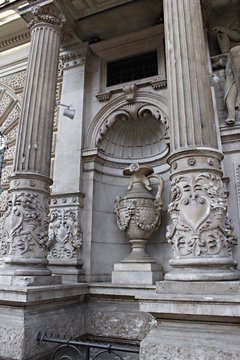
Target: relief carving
point(48, 14)
point(15, 81)
point(200, 225)
point(64, 233)
point(138, 213)
point(25, 224)
point(135, 111)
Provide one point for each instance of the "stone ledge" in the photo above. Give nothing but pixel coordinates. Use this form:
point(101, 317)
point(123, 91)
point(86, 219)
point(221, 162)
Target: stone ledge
point(35, 294)
point(120, 289)
point(174, 305)
point(198, 288)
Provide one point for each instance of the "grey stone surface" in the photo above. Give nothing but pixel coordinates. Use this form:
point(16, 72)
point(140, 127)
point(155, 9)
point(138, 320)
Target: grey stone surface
point(89, 154)
point(26, 312)
point(205, 342)
point(118, 320)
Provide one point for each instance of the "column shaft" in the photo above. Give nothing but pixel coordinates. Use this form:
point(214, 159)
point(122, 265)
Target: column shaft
point(33, 150)
point(190, 103)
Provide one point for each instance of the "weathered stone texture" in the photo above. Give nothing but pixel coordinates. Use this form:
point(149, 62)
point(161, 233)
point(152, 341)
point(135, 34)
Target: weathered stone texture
point(123, 325)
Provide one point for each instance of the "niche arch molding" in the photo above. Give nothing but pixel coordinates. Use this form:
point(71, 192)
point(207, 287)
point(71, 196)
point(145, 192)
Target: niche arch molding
point(123, 132)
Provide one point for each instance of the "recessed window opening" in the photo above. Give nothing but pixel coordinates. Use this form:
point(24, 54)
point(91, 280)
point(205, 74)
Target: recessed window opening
point(132, 68)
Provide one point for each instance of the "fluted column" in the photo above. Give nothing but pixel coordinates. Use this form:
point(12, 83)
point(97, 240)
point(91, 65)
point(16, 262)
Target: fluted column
point(200, 234)
point(25, 235)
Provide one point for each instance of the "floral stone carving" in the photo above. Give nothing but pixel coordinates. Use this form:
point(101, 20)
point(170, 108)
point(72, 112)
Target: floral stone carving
point(64, 233)
point(138, 213)
point(201, 234)
point(198, 210)
point(25, 241)
point(25, 223)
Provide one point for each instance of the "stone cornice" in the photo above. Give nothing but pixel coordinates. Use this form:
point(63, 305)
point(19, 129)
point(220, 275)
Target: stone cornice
point(74, 57)
point(15, 40)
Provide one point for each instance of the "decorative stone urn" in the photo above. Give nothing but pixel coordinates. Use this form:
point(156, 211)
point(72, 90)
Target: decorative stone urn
point(138, 213)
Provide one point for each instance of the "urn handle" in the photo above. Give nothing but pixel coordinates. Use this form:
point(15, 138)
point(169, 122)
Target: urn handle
point(158, 197)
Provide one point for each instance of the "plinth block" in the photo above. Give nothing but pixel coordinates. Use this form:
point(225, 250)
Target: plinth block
point(136, 273)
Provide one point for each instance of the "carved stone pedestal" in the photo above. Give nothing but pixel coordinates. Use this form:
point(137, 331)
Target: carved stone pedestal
point(201, 234)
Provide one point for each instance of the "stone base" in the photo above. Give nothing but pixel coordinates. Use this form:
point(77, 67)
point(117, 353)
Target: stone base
point(198, 288)
point(186, 341)
point(136, 273)
point(18, 280)
point(211, 301)
point(54, 310)
point(202, 274)
point(68, 273)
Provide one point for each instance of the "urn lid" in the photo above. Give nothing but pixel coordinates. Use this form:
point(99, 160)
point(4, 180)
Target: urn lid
point(133, 168)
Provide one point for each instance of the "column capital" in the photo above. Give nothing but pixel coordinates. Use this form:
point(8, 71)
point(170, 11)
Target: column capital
point(42, 12)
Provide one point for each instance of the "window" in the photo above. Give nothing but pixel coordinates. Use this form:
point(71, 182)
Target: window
point(132, 68)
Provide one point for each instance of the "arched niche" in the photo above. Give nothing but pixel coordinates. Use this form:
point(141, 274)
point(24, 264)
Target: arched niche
point(124, 132)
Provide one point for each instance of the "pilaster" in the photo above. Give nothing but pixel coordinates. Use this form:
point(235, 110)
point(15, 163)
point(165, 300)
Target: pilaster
point(65, 234)
point(65, 256)
point(200, 234)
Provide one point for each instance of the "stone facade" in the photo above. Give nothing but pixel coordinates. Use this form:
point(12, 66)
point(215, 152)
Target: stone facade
point(71, 127)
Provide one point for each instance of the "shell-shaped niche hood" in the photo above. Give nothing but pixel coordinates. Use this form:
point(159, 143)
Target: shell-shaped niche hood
point(134, 132)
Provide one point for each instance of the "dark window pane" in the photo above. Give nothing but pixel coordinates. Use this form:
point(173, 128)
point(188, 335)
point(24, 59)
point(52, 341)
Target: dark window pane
point(133, 68)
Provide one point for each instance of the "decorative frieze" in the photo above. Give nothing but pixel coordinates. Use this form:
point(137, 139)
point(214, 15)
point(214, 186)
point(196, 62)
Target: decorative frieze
point(74, 57)
point(15, 40)
point(104, 96)
point(159, 84)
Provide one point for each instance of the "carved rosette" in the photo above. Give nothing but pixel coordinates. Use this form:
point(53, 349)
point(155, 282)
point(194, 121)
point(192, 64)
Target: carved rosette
point(200, 234)
point(25, 231)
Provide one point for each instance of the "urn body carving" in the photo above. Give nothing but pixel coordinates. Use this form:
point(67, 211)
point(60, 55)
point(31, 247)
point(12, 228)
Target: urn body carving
point(138, 213)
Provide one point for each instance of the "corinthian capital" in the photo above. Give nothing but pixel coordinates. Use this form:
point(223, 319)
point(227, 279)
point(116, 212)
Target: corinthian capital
point(42, 12)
